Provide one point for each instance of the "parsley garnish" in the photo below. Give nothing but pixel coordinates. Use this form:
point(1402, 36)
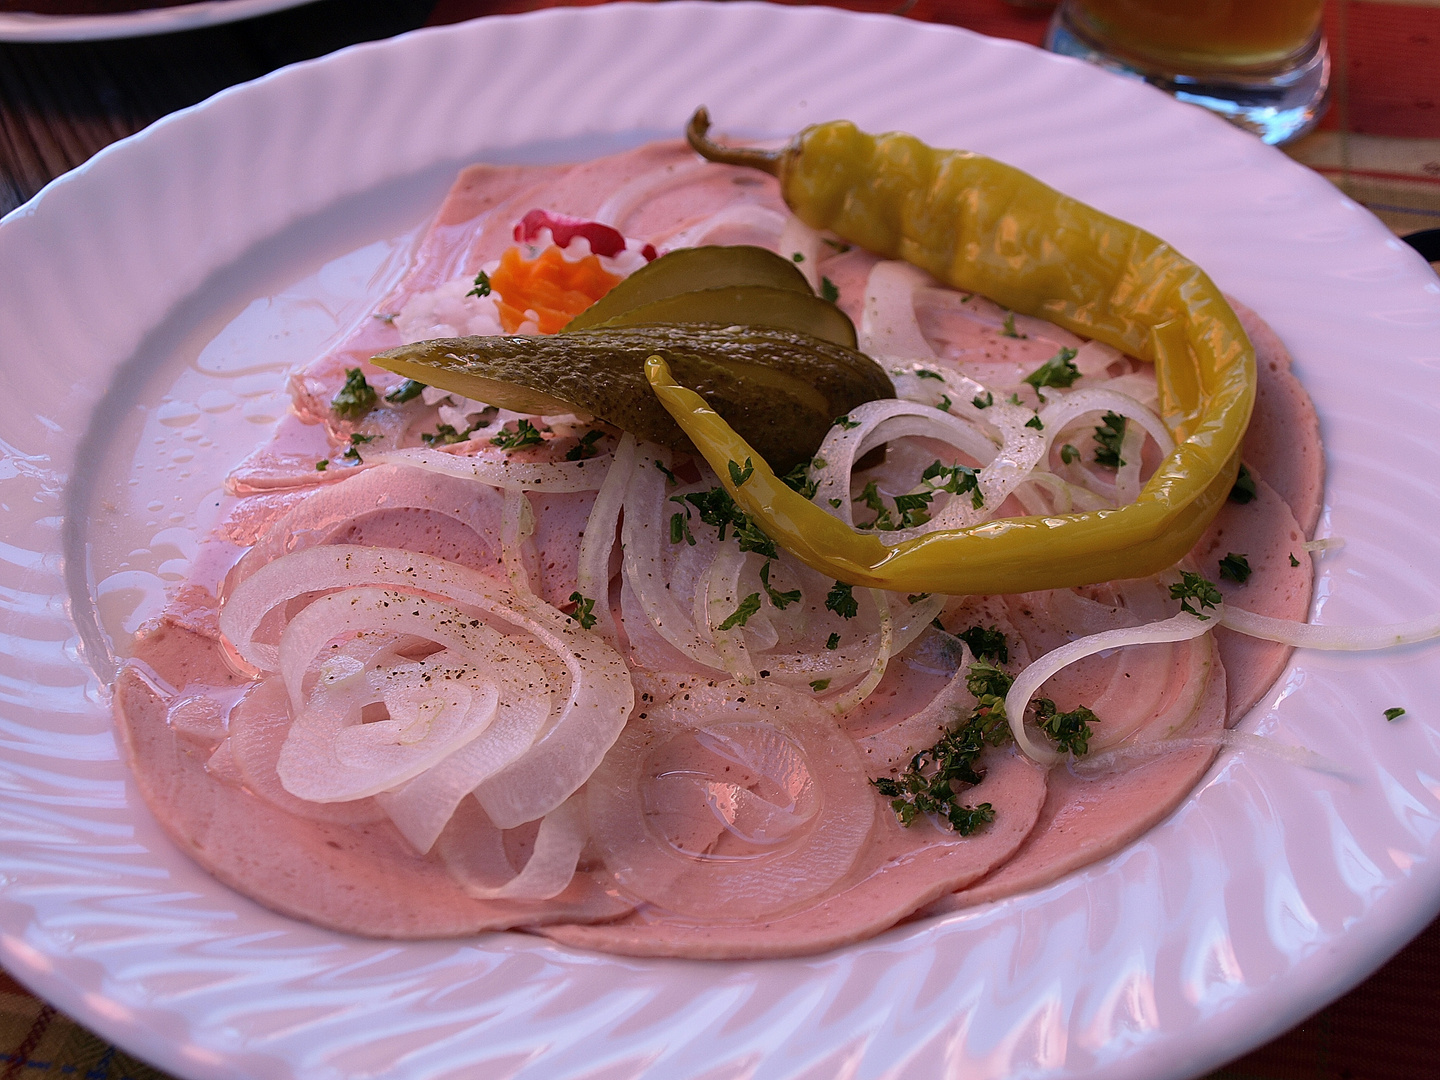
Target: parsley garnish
point(926, 373)
point(781, 600)
point(1108, 436)
point(1235, 568)
point(1059, 370)
point(841, 600)
point(585, 448)
point(408, 390)
point(1069, 731)
point(797, 256)
point(945, 403)
point(1294, 561)
point(832, 642)
point(482, 285)
point(525, 434)
point(828, 291)
point(584, 610)
point(956, 479)
point(668, 474)
point(1194, 587)
point(717, 508)
point(444, 435)
point(820, 684)
point(322, 464)
point(985, 402)
point(798, 479)
point(355, 398)
point(1068, 454)
point(1035, 422)
point(741, 615)
point(1394, 714)
point(1244, 490)
point(839, 245)
point(986, 644)
point(1008, 330)
point(738, 476)
point(846, 423)
point(915, 598)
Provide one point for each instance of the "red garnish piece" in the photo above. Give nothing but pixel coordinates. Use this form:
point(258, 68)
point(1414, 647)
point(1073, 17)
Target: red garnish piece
point(604, 240)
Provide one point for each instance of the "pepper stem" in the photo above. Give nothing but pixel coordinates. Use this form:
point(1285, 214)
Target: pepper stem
point(695, 132)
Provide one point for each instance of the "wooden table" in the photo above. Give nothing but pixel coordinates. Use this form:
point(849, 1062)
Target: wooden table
point(60, 103)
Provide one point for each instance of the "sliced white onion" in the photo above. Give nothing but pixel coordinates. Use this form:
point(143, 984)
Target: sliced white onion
point(1324, 543)
point(592, 577)
point(640, 191)
point(600, 695)
point(866, 686)
point(762, 219)
point(798, 239)
point(1094, 765)
point(1182, 627)
point(889, 330)
point(559, 476)
point(552, 863)
point(517, 524)
point(1334, 638)
point(1063, 410)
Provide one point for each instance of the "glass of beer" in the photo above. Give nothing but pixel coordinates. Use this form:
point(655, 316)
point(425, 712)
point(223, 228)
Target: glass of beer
point(1262, 64)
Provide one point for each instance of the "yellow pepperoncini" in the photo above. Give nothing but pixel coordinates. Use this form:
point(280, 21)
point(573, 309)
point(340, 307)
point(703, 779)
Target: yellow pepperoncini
point(982, 226)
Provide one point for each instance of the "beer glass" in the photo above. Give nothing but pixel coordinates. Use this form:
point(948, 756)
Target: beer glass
point(1262, 64)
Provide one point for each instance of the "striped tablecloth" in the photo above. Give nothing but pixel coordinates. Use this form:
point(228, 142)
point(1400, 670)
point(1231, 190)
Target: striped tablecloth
point(1380, 143)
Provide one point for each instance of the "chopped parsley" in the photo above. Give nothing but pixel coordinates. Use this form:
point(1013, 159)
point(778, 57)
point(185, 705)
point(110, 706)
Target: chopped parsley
point(832, 642)
point(985, 402)
point(1394, 714)
point(846, 423)
point(1194, 587)
point(1069, 455)
point(407, 390)
point(1244, 490)
point(1059, 370)
point(718, 509)
point(935, 779)
point(584, 610)
point(1108, 437)
point(926, 373)
point(797, 256)
point(798, 479)
point(819, 685)
point(445, 434)
point(912, 509)
point(839, 245)
point(781, 600)
point(355, 398)
point(1294, 561)
point(525, 434)
point(741, 615)
point(945, 403)
point(1008, 329)
point(585, 448)
point(482, 285)
point(986, 644)
point(915, 598)
point(322, 464)
point(738, 476)
point(956, 479)
point(668, 474)
point(841, 600)
point(1069, 731)
point(1035, 422)
point(828, 291)
point(837, 503)
point(1235, 568)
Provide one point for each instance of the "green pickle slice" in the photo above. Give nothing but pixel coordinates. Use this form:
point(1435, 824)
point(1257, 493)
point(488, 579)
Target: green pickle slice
point(690, 270)
point(746, 305)
point(780, 389)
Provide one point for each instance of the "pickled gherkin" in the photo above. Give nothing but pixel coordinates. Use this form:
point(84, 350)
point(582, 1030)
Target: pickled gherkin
point(746, 305)
point(690, 270)
point(781, 389)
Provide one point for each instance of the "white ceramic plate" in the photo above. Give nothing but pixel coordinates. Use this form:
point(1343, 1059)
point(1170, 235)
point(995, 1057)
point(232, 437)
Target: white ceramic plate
point(27, 26)
point(231, 239)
